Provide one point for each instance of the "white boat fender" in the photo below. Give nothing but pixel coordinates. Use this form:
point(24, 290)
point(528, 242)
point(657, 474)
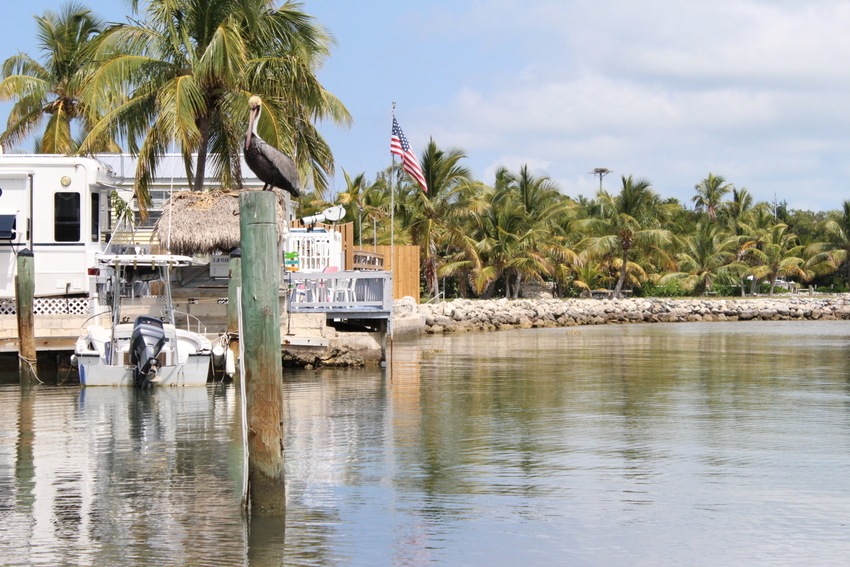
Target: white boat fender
point(74, 361)
point(229, 362)
point(218, 356)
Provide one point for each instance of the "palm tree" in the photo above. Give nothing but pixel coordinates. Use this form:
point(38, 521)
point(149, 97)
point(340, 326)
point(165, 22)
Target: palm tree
point(365, 203)
point(542, 210)
point(183, 75)
point(509, 246)
point(706, 255)
point(541, 201)
point(838, 233)
point(820, 259)
point(352, 200)
point(587, 275)
point(734, 212)
point(434, 216)
point(53, 88)
point(778, 254)
point(311, 203)
point(754, 229)
point(710, 192)
point(631, 218)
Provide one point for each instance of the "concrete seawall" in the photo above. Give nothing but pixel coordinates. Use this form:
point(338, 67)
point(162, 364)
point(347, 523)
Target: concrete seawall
point(463, 315)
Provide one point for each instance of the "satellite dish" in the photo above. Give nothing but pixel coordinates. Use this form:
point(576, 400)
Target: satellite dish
point(334, 214)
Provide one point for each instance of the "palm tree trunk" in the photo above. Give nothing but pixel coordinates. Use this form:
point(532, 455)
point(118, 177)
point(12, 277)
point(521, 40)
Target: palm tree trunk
point(463, 284)
point(623, 271)
point(488, 291)
point(201, 167)
point(431, 277)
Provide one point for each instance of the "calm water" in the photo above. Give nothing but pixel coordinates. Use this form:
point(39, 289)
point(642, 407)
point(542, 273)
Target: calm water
point(683, 444)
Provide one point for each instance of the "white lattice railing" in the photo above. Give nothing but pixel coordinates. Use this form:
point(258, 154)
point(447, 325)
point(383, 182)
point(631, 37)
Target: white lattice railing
point(50, 306)
point(315, 250)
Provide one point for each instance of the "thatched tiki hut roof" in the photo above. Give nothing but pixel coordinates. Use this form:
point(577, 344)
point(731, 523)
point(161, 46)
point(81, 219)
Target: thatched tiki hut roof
point(203, 222)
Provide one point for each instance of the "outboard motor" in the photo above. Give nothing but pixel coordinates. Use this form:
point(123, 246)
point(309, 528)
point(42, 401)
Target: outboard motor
point(146, 343)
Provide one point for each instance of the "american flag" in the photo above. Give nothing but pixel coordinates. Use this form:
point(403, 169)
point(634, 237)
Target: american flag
point(400, 147)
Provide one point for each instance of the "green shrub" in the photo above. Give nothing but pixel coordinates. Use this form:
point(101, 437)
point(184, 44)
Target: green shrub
point(670, 289)
point(723, 290)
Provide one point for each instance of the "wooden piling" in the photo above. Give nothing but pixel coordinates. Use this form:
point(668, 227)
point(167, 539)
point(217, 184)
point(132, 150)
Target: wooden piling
point(261, 346)
point(24, 301)
point(234, 284)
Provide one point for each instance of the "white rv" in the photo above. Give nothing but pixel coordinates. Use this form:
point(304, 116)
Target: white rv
point(59, 208)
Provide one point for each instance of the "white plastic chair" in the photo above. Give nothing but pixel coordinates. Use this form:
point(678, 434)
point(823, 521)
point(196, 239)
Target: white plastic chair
point(343, 290)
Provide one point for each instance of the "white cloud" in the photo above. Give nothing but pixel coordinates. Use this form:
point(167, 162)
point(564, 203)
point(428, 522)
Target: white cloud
point(662, 89)
point(733, 42)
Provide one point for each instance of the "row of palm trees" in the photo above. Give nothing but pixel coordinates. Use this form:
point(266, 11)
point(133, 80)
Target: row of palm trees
point(484, 238)
point(178, 74)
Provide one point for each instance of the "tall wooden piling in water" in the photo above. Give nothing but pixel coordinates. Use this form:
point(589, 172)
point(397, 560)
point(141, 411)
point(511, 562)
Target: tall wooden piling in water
point(24, 301)
point(261, 347)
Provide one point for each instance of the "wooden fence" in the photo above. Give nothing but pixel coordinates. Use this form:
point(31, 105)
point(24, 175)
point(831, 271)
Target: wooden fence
point(405, 267)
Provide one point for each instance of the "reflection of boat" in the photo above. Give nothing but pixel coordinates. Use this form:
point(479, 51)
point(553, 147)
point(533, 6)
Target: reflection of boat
point(148, 350)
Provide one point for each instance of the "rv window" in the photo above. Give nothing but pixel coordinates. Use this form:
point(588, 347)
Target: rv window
point(66, 226)
point(7, 227)
point(95, 217)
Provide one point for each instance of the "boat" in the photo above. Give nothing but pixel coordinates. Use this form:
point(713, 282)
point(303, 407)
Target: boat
point(141, 345)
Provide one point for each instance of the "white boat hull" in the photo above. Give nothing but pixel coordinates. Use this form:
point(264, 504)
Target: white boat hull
point(93, 372)
point(187, 365)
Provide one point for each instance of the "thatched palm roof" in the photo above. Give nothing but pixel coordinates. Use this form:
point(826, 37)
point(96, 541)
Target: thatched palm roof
point(202, 222)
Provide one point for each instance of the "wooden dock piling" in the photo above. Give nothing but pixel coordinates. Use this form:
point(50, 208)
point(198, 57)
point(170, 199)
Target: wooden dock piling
point(24, 298)
point(261, 347)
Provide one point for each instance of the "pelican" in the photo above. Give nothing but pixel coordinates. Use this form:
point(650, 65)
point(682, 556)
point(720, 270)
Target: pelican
point(269, 164)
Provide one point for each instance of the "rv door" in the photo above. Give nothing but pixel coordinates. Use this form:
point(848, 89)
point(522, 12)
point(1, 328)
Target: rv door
point(15, 224)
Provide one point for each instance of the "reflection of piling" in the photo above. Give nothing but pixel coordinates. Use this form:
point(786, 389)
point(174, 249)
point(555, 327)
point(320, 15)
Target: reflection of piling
point(261, 347)
point(234, 284)
point(24, 292)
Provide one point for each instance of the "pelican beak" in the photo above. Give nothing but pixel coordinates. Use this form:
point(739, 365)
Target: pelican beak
point(252, 117)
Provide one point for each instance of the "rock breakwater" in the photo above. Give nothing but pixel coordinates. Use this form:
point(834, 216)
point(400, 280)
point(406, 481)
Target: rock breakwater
point(463, 315)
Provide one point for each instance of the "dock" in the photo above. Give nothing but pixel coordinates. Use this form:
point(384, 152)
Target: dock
point(348, 311)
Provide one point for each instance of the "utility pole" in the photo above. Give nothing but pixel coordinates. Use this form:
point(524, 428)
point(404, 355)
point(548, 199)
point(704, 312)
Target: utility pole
point(601, 172)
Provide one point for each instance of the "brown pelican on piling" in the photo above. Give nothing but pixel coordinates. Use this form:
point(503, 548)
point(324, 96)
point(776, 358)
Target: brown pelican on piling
point(269, 164)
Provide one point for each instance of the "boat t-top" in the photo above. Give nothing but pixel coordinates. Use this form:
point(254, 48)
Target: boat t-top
point(141, 345)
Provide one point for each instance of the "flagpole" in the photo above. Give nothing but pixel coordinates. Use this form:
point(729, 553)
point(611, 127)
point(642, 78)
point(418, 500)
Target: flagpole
point(392, 210)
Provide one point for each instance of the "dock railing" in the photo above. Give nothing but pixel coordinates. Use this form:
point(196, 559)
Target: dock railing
point(366, 260)
point(354, 292)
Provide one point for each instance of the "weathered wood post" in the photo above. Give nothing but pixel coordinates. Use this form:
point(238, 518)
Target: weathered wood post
point(24, 292)
point(232, 304)
point(261, 346)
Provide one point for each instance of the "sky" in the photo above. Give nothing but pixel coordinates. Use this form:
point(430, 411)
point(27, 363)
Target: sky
point(667, 90)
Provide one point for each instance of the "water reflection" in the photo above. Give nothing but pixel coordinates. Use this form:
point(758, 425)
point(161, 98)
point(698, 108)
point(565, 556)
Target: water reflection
point(701, 444)
point(109, 474)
